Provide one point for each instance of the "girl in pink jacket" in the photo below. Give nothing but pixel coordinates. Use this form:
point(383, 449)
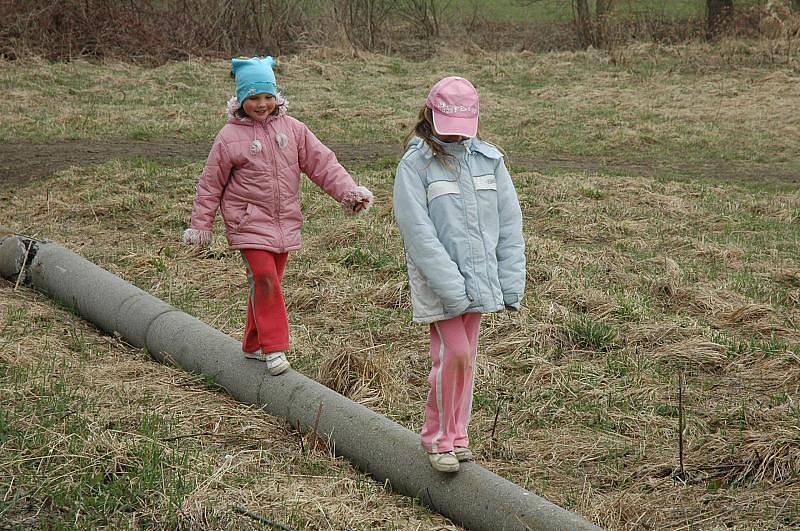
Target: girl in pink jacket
point(253, 177)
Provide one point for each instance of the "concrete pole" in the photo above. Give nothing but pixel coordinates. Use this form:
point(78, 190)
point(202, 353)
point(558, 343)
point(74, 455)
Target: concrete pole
point(474, 497)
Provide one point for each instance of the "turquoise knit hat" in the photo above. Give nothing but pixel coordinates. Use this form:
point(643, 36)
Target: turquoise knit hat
point(253, 76)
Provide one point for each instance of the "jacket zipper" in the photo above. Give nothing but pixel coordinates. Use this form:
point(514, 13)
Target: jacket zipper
point(466, 219)
point(277, 189)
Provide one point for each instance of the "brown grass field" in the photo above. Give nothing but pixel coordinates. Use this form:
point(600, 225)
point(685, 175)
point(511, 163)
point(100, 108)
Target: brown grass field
point(637, 286)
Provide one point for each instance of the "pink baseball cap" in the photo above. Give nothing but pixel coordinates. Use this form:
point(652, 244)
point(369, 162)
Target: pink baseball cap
point(454, 102)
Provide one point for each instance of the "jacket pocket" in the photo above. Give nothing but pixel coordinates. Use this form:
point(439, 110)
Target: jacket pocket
point(424, 302)
point(486, 192)
point(245, 218)
point(485, 182)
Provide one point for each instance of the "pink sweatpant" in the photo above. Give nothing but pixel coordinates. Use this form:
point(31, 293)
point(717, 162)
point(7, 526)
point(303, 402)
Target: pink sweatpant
point(454, 346)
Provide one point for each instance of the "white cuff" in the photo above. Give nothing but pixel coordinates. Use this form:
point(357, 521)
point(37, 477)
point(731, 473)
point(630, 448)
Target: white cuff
point(197, 237)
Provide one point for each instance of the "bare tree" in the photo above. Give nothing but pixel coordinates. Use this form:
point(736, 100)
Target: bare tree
point(590, 18)
point(278, 22)
point(362, 20)
point(426, 14)
point(718, 16)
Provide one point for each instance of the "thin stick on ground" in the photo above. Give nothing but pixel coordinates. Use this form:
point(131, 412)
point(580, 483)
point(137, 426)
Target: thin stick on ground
point(300, 435)
point(245, 512)
point(680, 425)
point(494, 423)
point(24, 261)
point(316, 419)
point(317, 441)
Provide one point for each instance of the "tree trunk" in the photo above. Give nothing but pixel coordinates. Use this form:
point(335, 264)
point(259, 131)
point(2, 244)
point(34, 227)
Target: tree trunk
point(718, 15)
point(583, 21)
point(603, 10)
point(591, 29)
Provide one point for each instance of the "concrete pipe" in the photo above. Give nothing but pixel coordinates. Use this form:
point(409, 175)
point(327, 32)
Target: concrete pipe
point(474, 497)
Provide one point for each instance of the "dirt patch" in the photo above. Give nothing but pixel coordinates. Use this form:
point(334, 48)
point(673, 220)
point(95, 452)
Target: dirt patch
point(20, 163)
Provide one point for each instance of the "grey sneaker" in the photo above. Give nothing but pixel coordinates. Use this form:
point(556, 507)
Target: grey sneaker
point(444, 462)
point(276, 363)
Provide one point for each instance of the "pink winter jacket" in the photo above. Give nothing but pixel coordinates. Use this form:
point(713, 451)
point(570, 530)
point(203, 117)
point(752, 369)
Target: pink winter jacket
point(253, 176)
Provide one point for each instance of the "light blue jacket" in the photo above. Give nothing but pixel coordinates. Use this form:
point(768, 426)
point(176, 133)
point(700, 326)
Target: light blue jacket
point(462, 230)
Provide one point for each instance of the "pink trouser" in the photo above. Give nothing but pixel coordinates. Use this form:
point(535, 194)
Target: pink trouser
point(454, 346)
point(267, 324)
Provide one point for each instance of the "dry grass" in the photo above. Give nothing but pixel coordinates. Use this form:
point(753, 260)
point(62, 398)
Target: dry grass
point(626, 289)
point(632, 281)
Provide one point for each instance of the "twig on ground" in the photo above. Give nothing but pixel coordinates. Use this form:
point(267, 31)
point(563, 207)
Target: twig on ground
point(316, 419)
point(300, 434)
point(316, 440)
point(245, 512)
point(494, 423)
point(430, 499)
point(680, 421)
point(24, 262)
point(187, 435)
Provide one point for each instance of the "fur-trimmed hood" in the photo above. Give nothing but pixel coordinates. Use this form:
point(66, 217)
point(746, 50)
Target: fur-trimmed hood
point(233, 106)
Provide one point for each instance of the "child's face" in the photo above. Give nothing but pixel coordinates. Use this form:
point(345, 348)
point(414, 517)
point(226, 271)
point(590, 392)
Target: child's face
point(451, 138)
point(260, 106)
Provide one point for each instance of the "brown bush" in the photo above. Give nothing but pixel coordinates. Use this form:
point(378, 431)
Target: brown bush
point(151, 30)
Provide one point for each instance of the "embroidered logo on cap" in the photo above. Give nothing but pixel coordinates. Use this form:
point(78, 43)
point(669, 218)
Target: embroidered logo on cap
point(452, 108)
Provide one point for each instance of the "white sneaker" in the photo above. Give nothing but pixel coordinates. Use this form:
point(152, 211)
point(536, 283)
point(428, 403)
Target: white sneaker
point(276, 363)
point(463, 453)
point(257, 355)
point(444, 462)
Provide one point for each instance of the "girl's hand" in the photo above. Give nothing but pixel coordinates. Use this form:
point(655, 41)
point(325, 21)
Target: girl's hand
point(360, 206)
point(357, 201)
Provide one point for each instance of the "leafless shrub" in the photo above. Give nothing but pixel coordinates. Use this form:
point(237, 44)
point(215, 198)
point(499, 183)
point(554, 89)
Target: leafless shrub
point(273, 24)
point(362, 21)
point(424, 14)
point(780, 23)
point(151, 29)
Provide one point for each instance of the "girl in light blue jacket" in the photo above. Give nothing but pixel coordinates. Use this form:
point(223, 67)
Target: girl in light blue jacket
point(461, 223)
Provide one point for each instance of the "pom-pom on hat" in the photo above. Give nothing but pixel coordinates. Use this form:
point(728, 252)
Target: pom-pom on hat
point(454, 102)
point(253, 76)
